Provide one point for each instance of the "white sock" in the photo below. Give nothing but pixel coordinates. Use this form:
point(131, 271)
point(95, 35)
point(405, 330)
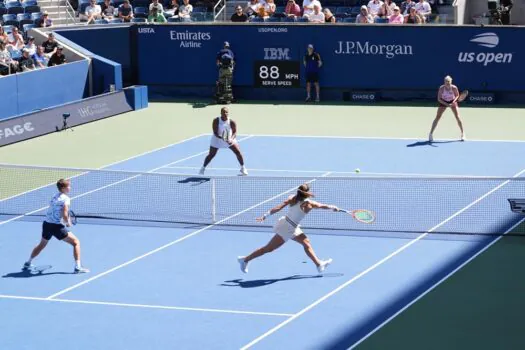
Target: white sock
point(30, 260)
point(77, 263)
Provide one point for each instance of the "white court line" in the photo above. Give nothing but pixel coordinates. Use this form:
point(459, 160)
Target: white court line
point(142, 306)
point(332, 172)
point(108, 165)
point(183, 238)
point(112, 184)
point(431, 288)
point(422, 139)
point(374, 266)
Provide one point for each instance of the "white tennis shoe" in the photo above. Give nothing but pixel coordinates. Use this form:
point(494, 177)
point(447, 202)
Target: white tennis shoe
point(244, 171)
point(324, 264)
point(243, 264)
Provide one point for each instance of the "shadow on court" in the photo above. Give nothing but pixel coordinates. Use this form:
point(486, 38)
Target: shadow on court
point(35, 272)
point(265, 282)
point(431, 144)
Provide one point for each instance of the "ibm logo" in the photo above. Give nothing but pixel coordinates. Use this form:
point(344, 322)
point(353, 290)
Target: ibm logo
point(280, 54)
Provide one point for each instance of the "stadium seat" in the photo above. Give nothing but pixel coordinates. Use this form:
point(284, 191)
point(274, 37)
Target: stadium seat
point(342, 12)
point(139, 20)
point(36, 15)
point(142, 3)
point(289, 19)
point(256, 20)
point(302, 19)
point(10, 20)
point(355, 10)
point(117, 3)
point(8, 28)
point(141, 12)
point(274, 19)
point(26, 27)
point(101, 21)
point(116, 20)
point(381, 20)
point(22, 16)
point(3, 10)
point(198, 16)
point(280, 9)
point(352, 3)
point(31, 9)
point(29, 3)
point(173, 19)
point(15, 10)
point(349, 19)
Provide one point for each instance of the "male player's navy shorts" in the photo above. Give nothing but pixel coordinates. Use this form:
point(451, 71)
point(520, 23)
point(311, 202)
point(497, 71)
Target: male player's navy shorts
point(312, 77)
point(49, 230)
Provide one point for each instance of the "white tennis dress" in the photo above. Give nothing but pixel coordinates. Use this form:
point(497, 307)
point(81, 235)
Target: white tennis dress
point(289, 226)
point(219, 142)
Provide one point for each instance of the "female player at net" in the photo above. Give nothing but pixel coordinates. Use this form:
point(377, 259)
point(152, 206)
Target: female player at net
point(448, 95)
point(223, 125)
point(56, 215)
point(287, 227)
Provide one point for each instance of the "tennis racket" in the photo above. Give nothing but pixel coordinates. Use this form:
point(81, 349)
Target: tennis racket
point(72, 217)
point(361, 215)
point(462, 96)
point(227, 135)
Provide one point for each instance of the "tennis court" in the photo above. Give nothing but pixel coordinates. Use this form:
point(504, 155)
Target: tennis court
point(163, 269)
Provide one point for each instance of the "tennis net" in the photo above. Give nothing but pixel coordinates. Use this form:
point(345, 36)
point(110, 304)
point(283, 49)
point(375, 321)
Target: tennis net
point(460, 205)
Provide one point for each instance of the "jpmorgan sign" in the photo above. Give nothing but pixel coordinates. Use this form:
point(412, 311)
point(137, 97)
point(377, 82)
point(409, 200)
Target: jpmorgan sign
point(50, 120)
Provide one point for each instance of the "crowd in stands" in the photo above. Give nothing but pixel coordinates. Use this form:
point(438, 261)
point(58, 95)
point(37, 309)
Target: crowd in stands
point(22, 56)
point(365, 11)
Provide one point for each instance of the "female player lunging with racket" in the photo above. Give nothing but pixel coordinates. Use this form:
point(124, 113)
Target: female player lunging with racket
point(57, 214)
point(287, 227)
point(448, 96)
point(224, 136)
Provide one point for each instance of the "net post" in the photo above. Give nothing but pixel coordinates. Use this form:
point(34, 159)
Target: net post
point(213, 201)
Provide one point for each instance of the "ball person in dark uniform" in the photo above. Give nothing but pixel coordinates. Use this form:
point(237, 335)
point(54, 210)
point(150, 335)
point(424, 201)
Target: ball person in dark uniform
point(506, 6)
point(226, 62)
point(312, 64)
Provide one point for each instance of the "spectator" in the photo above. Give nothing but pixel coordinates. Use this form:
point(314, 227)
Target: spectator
point(397, 17)
point(50, 45)
point(44, 21)
point(317, 16)
point(172, 9)
point(26, 63)
point(108, 10)
point(374, 7)
point(364, 16)
point(155, 16)
point(156, 4)
point(312, 64)
point(40, 58)
point(406, 6)
point(308, 7)
point(92, 12)
point(3, 36)
point(30, 46)
point(57, 58)
point(292, 9)
point(239, 16)
point(125, 11)
point(185, 10)
point(423, 9)
point(18, 40)
point(506, 7)
point(413, 17)
point(267, 9)
point(7, 64)
point(328, 16)
point(388, 8)
point(252, 9)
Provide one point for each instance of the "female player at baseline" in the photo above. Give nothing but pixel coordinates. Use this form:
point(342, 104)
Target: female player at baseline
point(448, 95)
point(287, 227)
point(221, 125)
point(57, 213)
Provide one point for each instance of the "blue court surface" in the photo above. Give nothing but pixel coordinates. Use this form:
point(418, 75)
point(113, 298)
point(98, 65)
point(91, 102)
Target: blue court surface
point(181, 288)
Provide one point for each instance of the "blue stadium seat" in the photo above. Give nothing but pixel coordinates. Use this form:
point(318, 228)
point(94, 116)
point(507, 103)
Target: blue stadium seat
point(349, 19)
point(10, 20)
point(117, 3)
point(352, 3)
point(142, 3)
point(381, 20)
point(14, 3)
point(139, 20)
point(200, 9)
point(22, 16)
point(198, 16)
point(31, 9)
point(26, 27)
point(256, 20)
point(82, 7)
point(355, 10)
point(116, 20)
point(29, 3)
point(302, 19)
point(280, 9)
point(289, 19)
point(343, 10)
point(101, 21)
point(173, 19)
point(36, 15)
point(274, 19)
point(15, 10)
point(3, 10)
point(141, 12)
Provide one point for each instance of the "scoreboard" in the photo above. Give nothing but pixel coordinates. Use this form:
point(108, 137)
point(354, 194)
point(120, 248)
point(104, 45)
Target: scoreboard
point(276, 74)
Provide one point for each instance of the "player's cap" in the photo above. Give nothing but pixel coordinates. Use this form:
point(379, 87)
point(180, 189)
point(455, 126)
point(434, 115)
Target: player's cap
point(364, 7)
point(59, 47)
point(226, 44)
point(310, 46)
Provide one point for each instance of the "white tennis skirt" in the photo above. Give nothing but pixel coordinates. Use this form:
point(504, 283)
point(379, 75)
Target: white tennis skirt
point(284, 229)
point(220, 143)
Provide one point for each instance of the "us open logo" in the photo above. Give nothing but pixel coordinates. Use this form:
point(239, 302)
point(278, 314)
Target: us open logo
point(486, 40)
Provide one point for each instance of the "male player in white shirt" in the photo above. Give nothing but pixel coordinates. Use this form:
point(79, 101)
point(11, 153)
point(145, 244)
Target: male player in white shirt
point(56, 216)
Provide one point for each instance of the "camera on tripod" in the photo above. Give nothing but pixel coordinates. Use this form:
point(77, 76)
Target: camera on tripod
point(65, 116)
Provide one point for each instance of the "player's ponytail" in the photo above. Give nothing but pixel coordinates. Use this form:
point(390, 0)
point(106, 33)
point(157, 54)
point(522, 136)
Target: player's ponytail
point(303, 192)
